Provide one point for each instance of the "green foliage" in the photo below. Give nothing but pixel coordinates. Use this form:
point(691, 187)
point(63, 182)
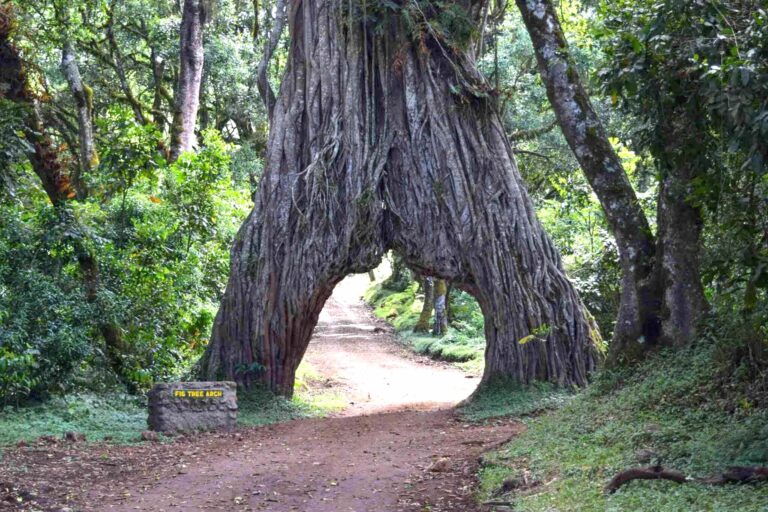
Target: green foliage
point(119, 416)
point(161, 236)
point(704, 65)
point(676, 405)
point(465, 341)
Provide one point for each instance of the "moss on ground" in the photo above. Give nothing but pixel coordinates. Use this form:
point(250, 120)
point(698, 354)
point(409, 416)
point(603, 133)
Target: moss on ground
point(674, 408)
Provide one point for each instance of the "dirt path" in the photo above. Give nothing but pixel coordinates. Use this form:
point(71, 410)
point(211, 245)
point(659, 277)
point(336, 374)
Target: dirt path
point(398, 447)
point(360, 356)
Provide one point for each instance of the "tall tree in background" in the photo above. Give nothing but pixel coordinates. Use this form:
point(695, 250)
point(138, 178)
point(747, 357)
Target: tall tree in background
point(662, 298)
point(270, 45)
point(385, 137)
point(84, 104)
point(187, 99)
point(54, 175)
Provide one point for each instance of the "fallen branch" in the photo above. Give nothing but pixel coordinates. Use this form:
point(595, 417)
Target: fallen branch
point(734, 474)
point(647, 473)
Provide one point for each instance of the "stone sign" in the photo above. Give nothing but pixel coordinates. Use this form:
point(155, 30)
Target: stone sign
point(183, 406)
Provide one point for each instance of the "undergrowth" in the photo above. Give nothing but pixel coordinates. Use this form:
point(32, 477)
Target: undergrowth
point(674, 410)
point(117, 416)
point(463, 344)
point(121, 417)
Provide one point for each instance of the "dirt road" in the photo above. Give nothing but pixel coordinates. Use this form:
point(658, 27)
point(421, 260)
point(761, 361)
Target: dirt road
point(397, 447)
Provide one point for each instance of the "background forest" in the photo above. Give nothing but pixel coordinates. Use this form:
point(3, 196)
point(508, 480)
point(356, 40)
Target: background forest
point(157, 229)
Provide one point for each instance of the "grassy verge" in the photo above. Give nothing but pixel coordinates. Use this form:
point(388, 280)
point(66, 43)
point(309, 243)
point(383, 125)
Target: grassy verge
point(122, 417)
point(464, 343)
point(675, 410)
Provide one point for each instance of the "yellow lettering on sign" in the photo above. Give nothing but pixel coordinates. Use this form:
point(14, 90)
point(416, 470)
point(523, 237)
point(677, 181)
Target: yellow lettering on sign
point(197, 393)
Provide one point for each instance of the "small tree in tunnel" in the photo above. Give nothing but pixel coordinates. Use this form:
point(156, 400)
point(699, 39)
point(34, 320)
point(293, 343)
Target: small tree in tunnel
point(384, 137)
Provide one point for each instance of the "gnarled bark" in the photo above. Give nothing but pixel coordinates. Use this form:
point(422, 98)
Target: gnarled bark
point(381, 141)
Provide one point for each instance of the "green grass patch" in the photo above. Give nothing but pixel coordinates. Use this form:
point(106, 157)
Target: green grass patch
point(401, 309)
point(505, 398)
point(674, 407)
point(121, 417)
point(259, 406)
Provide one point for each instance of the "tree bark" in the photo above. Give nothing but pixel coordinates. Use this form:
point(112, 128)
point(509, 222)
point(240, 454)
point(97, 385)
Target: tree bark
point(84, 106)
point(427, 286)
point(440, 326)
point(638, 325)
point(270, 45)
point(381, 141)
point(187, 99)
point(679, 232)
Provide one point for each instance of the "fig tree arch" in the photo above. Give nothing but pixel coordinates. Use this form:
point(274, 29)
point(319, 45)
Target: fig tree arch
point(384, 137)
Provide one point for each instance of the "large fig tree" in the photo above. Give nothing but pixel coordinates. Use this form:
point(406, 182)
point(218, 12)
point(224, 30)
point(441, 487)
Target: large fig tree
point(385, 136)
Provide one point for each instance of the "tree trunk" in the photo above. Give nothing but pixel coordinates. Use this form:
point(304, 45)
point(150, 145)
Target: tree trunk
point(638, 322)
point(160, 93)
point(380, 140)
point(679, 233)
point(84, 105)
point(270, 45)
point(427, 286)
point(440, 326)
point(187, 100)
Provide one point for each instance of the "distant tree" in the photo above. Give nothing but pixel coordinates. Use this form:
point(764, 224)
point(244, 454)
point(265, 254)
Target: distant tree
point(662, 298)
point(191, 56)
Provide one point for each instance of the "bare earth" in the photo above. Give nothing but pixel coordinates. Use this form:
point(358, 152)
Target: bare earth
point(398, 447)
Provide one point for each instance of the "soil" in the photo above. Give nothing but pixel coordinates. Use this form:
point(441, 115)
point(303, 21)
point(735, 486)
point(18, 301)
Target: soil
point(399, 446)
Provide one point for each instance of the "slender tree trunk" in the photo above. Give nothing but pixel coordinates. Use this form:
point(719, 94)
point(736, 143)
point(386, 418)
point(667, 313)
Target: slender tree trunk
point(427, 286)
point(270, 45)
point(84, 105)
point(679, 233)
point(638, 323)
point(440, 326)
point(161, 93)
point(378, 142)
point(117, 62)
point(187, 99)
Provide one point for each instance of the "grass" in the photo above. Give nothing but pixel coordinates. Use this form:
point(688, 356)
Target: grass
point(500, 398)
point(674, 407)
point(123, 417)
